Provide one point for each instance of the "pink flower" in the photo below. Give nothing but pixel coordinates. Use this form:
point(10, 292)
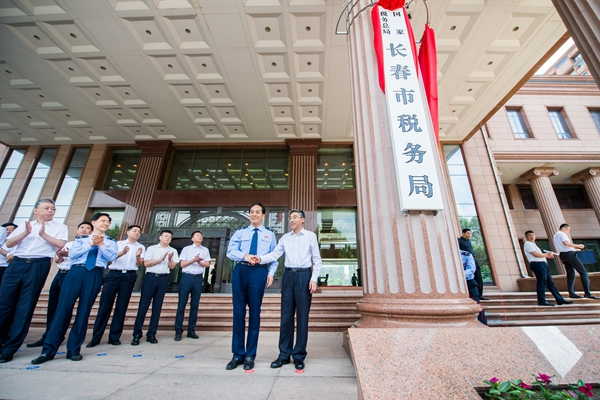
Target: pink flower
point(586, 389)
point(494, 380)
point(544, 378)
point(524, 385)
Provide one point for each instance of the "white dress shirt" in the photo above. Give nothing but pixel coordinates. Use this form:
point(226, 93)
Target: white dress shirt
point(530, 247)
point(66, 264)
point(191, 251)
point(301, 251)
point(34, 246)
point(559, 238)
point(157, 251)
point(128, 261)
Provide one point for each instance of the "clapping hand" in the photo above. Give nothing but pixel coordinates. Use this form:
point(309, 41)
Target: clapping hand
point(125, 250)
point(170, 256)
point(98, 240)
point(42, 229)
point(138, 252)
point(64, 252)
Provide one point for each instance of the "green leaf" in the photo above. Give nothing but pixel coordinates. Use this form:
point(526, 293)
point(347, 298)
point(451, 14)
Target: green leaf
point(504, 386)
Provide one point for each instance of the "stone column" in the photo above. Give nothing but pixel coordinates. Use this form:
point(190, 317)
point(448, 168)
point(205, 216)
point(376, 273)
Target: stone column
point(591, 181)
point(154, 159)
point(303, 178)
point(412, 273)
point(582, 19)
point(550, 211)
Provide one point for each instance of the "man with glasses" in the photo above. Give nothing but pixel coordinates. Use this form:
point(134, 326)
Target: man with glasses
point(302, 268)
point(37, 242)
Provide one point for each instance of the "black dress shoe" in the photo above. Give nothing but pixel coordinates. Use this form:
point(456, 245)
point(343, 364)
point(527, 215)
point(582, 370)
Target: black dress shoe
point(483, 298)
point(42, 359)
point(4, 358)
point(564, 301)
point(279, 362)
point(92, 344)
point(575, 296)
point(546, 304)
point(152, 339)
point(233, 364)
point(248, 363)
point(39, 343)
point(114, 342)
point(177, 337)
point(591, 296)
point(135, 341)
point(193, 335)
point(74, 357)
point(299, 364)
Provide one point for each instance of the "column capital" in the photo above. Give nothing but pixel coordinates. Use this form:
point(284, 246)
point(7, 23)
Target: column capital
point(304, 146)
point(537, 173)
point(585, 174)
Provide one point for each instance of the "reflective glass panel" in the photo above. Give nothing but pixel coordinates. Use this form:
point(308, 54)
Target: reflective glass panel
point(122, 169)
point(338, 243)
point(335, 168)
point(10, 171)
point(70, 183)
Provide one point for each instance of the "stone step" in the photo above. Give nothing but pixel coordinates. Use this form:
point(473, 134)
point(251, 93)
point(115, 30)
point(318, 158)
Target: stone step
point(543, 322)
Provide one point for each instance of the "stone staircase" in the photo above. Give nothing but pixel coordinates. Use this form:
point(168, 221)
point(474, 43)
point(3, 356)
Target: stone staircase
point(331, 311)
point(521, 309)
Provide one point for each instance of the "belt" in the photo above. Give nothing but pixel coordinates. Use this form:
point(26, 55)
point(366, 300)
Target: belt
point(62, 271)
point(123, 271)
point(157, 275)
point(296, 269)
point(194, 275)
point(31, 260)
point(83, 266)
point(246, 263)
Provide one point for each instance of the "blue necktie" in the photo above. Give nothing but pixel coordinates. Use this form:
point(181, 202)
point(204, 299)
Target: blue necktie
point(254, 242)
point(90, 261)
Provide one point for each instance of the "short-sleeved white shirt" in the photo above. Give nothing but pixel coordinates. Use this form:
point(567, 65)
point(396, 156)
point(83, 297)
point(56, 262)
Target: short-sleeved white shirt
point(530, 247)
point(157, 251)
point(34, 246)
point(128, 261)
point(559, 238)
point(190, 252)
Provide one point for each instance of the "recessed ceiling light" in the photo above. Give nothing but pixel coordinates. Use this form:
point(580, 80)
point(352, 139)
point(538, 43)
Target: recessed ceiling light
point(36, 37)
point(169, 65)
point(127, 93)
point(204, 65)
point(74, 36)
point(309, 63)
point(103, 68)
point(453, 27)
point(216, 91)
point(188, 31)
point(70, 69)
point(278, 90)
point(41, 95)
point(273, 64)
point(267, 29)
point(148, 32)
point(490, 63)
point(307, 28)
point(516, 28)
point(309, 90)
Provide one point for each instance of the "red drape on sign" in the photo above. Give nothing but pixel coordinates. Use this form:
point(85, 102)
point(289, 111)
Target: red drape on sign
point(428, 64)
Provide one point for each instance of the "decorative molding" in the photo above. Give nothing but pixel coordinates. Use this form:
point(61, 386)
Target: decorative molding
point(537, 173)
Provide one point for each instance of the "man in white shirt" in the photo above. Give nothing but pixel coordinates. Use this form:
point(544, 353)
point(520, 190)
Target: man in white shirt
point(298, 284)
point(194, 258)
point(26, 274)
point(63, 262)
point(566, 250)
point(539, 266)
point(118, 285)
point(159, 261)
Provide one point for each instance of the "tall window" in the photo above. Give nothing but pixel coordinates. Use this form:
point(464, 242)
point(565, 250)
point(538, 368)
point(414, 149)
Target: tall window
point(122, 169)
point(596, 118)
point(35, 186)
point(335, 168)
point(338, 243)
point(527, 198)
point(517, 123)
point(560, 124)
point(10, 171)
point(70, 183)
point(465, 205)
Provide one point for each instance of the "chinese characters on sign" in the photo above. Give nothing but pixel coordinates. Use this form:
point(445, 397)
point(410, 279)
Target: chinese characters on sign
point(418, 181)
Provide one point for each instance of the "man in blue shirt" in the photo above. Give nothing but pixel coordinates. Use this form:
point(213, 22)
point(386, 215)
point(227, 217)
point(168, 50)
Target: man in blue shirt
point(464, 243)
point(248, 284)
point(90, 255)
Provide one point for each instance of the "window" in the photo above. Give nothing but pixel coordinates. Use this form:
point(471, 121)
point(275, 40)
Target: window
point(338, 243)
point(35, 186)
point(229, 169)
point(561, 62)
point(571, 197)
point(10, 171)
point(122, 169)
point(527, 198)
point(517, 123)
point(70, 183)
point(596, 118)
point(560, 125)
point(335, 168)
point(579, 61)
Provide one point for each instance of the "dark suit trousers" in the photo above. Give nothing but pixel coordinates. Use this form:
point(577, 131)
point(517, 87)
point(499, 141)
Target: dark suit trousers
point(189, 285)
point(153, 290)
point(20, 290)
point(119, 286)
point(572, 264)
point(248, 288)
point(79, 284)
point(2, 269)
point(53, 296)
point(295, 299)
point(478, 278)
point(544, 280)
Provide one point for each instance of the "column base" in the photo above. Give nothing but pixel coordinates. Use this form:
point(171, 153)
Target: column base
point(417, 313)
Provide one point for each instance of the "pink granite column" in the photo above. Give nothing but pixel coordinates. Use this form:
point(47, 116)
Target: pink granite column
point(591, 181)
point(550, 211)
point(412, 272)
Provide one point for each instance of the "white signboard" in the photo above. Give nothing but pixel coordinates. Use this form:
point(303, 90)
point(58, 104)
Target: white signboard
point(418, 181)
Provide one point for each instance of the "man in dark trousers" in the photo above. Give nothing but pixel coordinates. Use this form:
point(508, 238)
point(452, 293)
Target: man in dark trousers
point(464, 242)
point(194, 258)
point(90, 255)
point(36, 243)
point(118, 285)
point(160, 260)
point(248, 284)
point(302, 268)
point(64, 264)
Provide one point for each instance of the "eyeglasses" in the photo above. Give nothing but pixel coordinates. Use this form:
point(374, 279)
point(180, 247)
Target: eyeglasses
point(48, 208)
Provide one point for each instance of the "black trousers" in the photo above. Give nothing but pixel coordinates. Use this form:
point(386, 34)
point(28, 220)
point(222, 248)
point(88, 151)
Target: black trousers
point(544, 280)
point(572, 264)
point(153, 290)
point(295, 299)
point(478, 278)
point(2, 269)
point(53, 296)
point(20, 290)
point(117, 286)
point(190, 285)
